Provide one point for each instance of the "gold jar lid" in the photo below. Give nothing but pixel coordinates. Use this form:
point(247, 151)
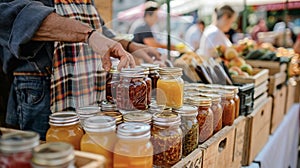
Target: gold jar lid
point(226, 93)
point(233, 88)
point(65, 118)
point(187, 110)
point(166, 118)
point(115, 114)
point(138, 117)
point(214, 97)
point(200, 101)
point(170, 71)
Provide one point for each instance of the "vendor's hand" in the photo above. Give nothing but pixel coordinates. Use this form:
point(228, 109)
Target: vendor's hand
point(148, 54)
point(107, 48)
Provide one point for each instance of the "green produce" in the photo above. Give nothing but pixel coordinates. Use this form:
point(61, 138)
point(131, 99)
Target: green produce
point(255, 54)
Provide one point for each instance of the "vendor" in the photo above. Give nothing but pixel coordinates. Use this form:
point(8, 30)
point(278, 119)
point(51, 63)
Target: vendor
point(214, 34)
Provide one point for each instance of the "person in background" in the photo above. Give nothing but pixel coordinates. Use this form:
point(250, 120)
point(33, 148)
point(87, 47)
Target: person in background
point(42, 42)
point(297, 45)
point(193, 34)
point(214, 34)
point(259, 27)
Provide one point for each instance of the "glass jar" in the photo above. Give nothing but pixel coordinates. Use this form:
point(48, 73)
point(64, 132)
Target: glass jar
point(166, 139)
point(112, 111)
point(148, 81)
point(131, 92)
point(205, 117)
point(170, 88)
point(217, 110)
point(228, 106)
point(112, 81)
point(100, 137)
point(65, 127)
point(53, 155)
point(86, 112)
point(154, 75)
point(133, 148)
point(190, 128)
point(16, 149)
point(138, 117)
point(236, 99)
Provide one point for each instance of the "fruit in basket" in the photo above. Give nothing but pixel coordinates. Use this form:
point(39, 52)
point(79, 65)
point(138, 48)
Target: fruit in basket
point(238, 61)
point(247, 68)
point(267, 46)
point(236, 69)
point(244, 74)
point(233, 73)
point(230, 53)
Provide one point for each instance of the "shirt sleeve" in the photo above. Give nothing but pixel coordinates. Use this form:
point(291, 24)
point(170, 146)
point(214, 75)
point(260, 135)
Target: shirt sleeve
point(19, 21)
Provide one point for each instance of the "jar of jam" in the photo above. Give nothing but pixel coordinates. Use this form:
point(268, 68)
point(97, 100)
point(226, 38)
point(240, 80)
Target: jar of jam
point(190, 128)
point(112, 81)
point(217, 110)
point(236, 99)
point(205, 117)
point(53, 155)
point(228, 105)
point(133, 148)
point(131, 92)
point(65, 127)
point(112, 111)
point(170, 87)
point(86, 112)
point(154, 75)
point(148, 81)
point(100, 137)
point(166, 139)
point(138, 117)
point(16, 149)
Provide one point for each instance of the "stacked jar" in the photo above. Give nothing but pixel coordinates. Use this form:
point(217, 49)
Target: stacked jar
point(166, 139)
point(141, 116)
point(236, 99)
point(100, 137)
point(228, 106)
point(170, 87)
point(112, 81)
point(154, 75)
point(65, 127)
point(86, 112)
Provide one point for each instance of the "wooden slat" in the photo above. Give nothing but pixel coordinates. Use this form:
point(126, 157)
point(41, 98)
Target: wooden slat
point(260, 76)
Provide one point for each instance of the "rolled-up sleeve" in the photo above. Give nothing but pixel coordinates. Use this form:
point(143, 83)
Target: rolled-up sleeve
point(19, 20)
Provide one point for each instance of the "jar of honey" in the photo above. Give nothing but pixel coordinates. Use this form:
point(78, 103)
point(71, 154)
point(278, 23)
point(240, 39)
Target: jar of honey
point(112, 81)
point(138, 117)
point(190, 128)
point(228, 105)
point(100, 137)
point(236, 98)
point(16, 149)
point(170, 87)
point(205, 117)
point(53, 155)
point(166, 138)
point(86, 112)
point(65, 127)
point(133, 148)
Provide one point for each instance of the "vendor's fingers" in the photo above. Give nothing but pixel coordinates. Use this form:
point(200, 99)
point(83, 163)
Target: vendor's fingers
point(106, 62)
point(131, 61)
point(124, 63)
point(155, 53)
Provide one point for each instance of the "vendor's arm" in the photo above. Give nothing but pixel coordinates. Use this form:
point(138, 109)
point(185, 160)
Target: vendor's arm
point(150, 41)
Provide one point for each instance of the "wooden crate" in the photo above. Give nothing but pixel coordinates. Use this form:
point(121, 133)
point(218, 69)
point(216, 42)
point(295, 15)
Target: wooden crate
point(257, 131)
point(260, 89)
point(239, 136)
point(260, 76)
point(89, 160)
point(259, 100)
point(291, 91)
point(275, 81)
point(278, 109)
point(218, 150)
point(273, 66)
point(194, 159)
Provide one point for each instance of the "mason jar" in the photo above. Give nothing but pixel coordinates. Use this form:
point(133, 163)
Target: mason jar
point(133, 148)
point(170, 87)
point(140, 116)
point(16, 149)
point(100, 137)
point(112, 111)
point(65, 127)
point(228, 105)
point(86, 112)
point(154, 75)
point(236, 98)
point(112, 81)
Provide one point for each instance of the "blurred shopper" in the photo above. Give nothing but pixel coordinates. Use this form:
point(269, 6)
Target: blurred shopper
point(214, 34)
point(259, 27)
point(194, 33)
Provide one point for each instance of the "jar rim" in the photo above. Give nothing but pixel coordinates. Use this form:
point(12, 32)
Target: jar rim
point(200, 101)
point(137, 116)
point(214, 97)
point(63, 118)
point(99, 124)
point(170, 71)
point(133, 130)
point(166, 118)
point(187, 110)
point(88, 110)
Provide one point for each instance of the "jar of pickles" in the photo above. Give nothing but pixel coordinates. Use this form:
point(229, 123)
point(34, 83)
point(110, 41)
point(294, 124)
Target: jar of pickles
point(228, 105)
point(86, 112)
point(53, 155)
point(112, 111)
point(133, 148)
point(166, 139)
point(131, 92)
point(65, 127)
point(170, 87)
point(100, 137)
point(112, 81)
point(205, 117)
point(190, 128)
point(138, 117)
point(236, 98)
point(16, 149)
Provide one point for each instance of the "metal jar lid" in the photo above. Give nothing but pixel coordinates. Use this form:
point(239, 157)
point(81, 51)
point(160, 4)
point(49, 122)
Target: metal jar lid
point(19, 141)
point(109, 107)
point(133, 130)
point(115, 114)
point(64, 118)
point(200, 101)
point(170, 71)
point(226, 93)
point(53, 154)
point(138, 117)
point(166, 118)
point(100, 124)
point(215, 98)
point(232, 88)
point(187, 110)
point(87, 111)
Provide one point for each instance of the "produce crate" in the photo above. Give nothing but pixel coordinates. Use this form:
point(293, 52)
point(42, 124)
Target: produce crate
point(218, 150)
point(259, 76)
point(239, 136)
point(88, 160)
point(273, 66)
point(275, 81)
point(261, 89)
point(291, 91)
point(194, 159)
point(246, 92)
point(259, 100)
point(278, 110)
point(257, 131)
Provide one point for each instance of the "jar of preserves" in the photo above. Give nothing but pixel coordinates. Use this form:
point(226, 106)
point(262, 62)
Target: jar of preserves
point(131, 92)
point(190, 128)
point(154, 75)
point(112, 81)
point(86, 112)
point(65, 127)
point(236, 98)
point(166, 139)
point(148, 81)
point(205, 117)
point(16, 149)
point(138, 117)
point(228, 105)
point(133, 148)
point(217, 110)
point(100, 137)
point(53, 155)
point(170, 87)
